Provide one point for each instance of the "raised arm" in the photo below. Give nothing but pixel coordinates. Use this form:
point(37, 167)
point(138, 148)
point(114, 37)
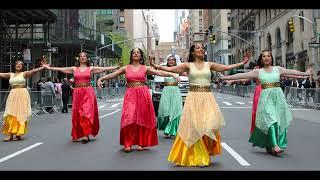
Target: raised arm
point(249, 75)
point(151, 71)
point(119, 72)
point(5, 75)
point(102, 69)
point(28, 74)
point(66, 70)
point(294, 72)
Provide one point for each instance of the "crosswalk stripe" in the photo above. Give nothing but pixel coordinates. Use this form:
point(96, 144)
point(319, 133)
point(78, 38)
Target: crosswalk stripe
point(227, 103)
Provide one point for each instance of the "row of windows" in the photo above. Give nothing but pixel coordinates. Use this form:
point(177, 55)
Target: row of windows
point(104, 11)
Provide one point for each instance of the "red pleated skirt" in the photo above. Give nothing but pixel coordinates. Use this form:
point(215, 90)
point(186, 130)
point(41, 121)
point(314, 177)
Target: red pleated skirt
point(85, 116)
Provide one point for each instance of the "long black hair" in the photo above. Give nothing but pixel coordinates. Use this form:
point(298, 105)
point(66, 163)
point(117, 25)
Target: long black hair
point(141, 56)
point(259, 62)
point(78, 61)
point(191, 51)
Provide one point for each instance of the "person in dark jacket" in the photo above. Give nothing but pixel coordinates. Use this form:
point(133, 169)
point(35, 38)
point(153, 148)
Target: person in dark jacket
point(66, 91)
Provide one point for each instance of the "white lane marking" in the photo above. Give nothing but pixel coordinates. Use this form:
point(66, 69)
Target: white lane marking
point(229, 104)
point(19, 152)
point(235, 107)
point(110, 113)
point(248, 107)
point(240, 160)
point(240, 103)
point(115, 105)
point(102, 106)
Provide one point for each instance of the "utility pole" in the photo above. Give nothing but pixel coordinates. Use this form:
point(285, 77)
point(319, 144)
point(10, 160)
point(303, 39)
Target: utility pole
point(314, 39)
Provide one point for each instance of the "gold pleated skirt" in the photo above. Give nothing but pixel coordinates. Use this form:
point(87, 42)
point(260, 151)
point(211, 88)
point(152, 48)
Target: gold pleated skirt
point(12, 126)
point(17, 112)
point(198, 154)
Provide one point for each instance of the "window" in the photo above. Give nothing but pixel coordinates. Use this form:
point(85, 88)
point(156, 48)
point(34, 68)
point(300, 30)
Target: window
point(109, 11)
point(200, 13)
point(229, 29)
point(229, 44)
point(121, 19)
point(229, 17)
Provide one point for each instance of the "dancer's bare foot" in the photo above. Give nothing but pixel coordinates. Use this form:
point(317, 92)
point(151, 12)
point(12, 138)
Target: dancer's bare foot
point(127, 149)
point(140, 148)
point(8, 138)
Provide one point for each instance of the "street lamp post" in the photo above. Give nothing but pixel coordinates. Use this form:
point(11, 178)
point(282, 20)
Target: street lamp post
point(314, 40)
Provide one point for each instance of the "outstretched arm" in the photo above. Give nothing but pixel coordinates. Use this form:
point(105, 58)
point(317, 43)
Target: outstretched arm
point(151, 71)
point(119, 72)
point(183, 67)
point(66, 70)
point(222, 67)
point(28, 74)
point(285, 72)
point(249, 75)
point(102, 69)
point(5, 75)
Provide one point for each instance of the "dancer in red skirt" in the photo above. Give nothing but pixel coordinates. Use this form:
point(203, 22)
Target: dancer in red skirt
point(85, 116)
point(138, 121)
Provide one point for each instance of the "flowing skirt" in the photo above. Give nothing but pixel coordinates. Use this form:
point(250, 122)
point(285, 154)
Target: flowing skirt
point(198, 132)
point(272, 119)
point(170, 109)
point(85, 116)
point(17, 112)
point(138, 120)
point(257, 91)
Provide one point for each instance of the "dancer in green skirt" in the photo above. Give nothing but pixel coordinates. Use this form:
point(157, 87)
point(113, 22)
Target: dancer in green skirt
point(170, 105)
point(273, 114)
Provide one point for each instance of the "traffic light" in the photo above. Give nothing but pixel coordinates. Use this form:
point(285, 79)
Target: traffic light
point(157, 42)
point(291, 25)
point(212, 38)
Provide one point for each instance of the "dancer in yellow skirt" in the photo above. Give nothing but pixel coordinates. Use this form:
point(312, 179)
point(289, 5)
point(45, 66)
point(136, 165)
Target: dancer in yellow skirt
point(18, 105)
point(198, 135)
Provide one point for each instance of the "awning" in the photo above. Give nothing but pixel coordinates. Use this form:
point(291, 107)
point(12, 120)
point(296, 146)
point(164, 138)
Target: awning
point(27, 16)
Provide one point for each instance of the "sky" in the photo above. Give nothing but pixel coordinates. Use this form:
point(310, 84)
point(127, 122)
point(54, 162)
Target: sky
point(165, 20)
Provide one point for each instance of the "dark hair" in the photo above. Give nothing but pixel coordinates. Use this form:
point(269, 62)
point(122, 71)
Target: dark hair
point(175, 61)
point(78, 61)
point(141, 56)
point(191, 56)
point(20, 61)
point(259, 62)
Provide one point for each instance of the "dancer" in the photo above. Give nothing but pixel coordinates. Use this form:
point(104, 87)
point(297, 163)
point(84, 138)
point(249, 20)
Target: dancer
point(138, 120)
point(198, 135)
point(85, 117)
point(18, 105)
point(170, 105)
point(273, 115)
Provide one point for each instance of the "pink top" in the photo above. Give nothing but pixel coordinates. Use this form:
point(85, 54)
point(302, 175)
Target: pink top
point(82, 77)
point(139, 75)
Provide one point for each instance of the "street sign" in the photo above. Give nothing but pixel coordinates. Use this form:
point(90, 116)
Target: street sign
point(52, 50)
point(318, 34)
point(314, 45)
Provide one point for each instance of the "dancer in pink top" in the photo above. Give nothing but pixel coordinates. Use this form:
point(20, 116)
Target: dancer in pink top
point(85, 116)
point(138, 120)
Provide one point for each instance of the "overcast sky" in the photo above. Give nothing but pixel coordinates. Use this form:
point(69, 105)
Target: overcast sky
point(165, 20)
